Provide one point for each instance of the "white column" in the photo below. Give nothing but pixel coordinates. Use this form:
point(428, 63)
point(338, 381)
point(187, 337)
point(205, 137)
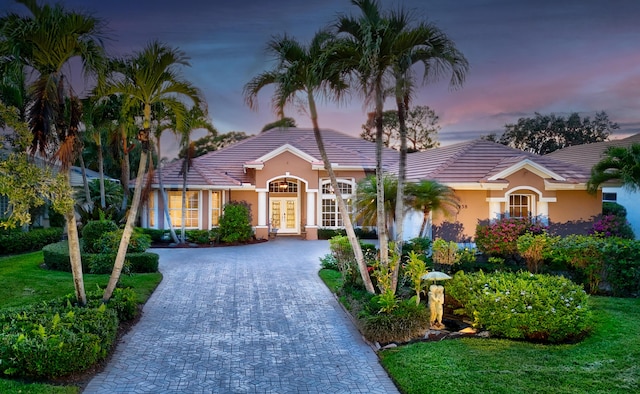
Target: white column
point(543, 212)
point(494, 209)
point(311, 208)
point(262, 208)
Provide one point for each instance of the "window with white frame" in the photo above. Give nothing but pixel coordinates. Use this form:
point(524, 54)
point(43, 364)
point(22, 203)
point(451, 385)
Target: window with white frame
point(330, 214)
point(216, 204)
point(521, 205)
point(192, 211)
point(609, 197)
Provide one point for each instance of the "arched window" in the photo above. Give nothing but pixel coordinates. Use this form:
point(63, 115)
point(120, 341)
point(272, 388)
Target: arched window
point(329, 210)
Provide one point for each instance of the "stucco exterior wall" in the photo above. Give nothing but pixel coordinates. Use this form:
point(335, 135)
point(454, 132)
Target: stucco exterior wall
point(575, 205)
point(473, 207)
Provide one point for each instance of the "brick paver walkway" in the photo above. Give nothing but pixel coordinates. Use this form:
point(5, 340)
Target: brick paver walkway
point(249, 319)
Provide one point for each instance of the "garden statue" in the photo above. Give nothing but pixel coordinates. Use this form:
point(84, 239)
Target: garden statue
point(436, 302)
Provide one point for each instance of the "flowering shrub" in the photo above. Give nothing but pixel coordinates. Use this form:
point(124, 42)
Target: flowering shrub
point(499, 238)
point(613, 226)
point(539, 308)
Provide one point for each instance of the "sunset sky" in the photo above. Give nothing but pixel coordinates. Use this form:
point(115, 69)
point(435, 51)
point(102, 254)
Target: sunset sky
point(544, 56)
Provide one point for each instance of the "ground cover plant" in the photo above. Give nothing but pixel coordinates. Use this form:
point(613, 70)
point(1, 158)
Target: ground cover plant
point(26, 283)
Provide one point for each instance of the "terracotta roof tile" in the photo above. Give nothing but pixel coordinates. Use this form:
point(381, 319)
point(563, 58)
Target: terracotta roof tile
point(477, 161)
point(588, 155)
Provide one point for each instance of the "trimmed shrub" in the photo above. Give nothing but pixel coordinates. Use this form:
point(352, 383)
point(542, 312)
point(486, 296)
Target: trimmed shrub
point(235, 222)
point(156, 235)
point(622, 266)
point(499, 238)
point(123, 301)
point(109, 242)
point(201, 237)
point(539, 308)
point(45, 341)
point(361, 233)
point(613, 208)
point(585, 254)
point(405, 322)
point(18, 241)
point(93, 231)
point(56, 257)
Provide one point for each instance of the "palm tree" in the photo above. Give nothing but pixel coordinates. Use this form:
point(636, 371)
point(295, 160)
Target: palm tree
point(150, 77)
point(306, 71)
point(196, 119)
point(368, 51)
point(619, 164)
point(366, 195)
point(429, 196)
point(45, 42)
point(428, 45)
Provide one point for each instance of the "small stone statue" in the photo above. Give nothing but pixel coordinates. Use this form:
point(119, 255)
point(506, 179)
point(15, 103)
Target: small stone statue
point(436, 301)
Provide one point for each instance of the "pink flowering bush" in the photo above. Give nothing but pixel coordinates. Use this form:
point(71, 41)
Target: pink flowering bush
point(612, 226)
point(500, 238)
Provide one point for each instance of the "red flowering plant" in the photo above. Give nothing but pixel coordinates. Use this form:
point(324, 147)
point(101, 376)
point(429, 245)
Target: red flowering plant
point(499, 238)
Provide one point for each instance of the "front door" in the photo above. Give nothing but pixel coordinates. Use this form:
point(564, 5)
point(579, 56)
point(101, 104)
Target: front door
point(283, 212)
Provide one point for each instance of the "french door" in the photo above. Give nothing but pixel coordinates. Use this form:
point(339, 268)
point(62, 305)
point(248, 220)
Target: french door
point(283, 212)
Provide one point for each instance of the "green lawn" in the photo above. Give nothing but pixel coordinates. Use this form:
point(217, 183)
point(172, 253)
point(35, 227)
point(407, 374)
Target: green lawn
point(608, 361)
point(605, 362)
point(25, 282)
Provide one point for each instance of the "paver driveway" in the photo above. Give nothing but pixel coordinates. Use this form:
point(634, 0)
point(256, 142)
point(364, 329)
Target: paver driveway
point(249, 319)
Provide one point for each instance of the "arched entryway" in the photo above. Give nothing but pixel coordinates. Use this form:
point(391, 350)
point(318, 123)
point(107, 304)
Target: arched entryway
point(284, 205)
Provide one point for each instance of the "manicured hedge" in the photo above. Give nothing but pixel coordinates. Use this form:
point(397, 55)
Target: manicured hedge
point(328, 233)
point(18, 241)
point(56, 257)
point(54, 339)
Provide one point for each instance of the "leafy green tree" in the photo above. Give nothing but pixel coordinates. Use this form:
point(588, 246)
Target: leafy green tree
point(44, 43)
point(544, 134)
point(284, 122)
point(429, 196)
point(304, 71)
point(149, 77)
point(619, 164)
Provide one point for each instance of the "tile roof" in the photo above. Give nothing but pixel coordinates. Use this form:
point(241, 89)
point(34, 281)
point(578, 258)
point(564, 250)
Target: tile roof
point(478, 161)
point(226, 167)
point(588, 155)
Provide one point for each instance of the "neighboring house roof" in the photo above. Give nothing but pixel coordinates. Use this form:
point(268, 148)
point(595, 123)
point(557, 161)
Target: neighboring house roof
point(485, 162)
point(588, 155)
point(76, 176)
point(227, 167)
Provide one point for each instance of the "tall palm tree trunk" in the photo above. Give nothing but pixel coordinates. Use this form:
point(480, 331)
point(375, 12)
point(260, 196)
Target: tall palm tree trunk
point(74, 251)
point(103, 197)
point(402, 175)
point(163, 193)
point(131, 219)
point(184, 199)
point(382, 230)
point(85, 181)
point(126, 169)
point(346, 219)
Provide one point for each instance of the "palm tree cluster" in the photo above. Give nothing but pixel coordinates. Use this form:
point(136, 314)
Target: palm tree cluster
point(130, 97)
point(376, 54)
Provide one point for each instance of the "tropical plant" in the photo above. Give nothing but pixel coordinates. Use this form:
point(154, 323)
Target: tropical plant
point(619, 164)
point(196, 119)
point(429, 196)
point(45, 42)
point(304, 71)
point(415, 269)
point(366, 211)
point(149, 77)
